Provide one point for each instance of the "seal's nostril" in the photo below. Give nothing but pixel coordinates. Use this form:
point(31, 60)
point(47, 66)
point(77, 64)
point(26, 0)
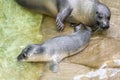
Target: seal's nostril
point(20, 57)
point(105, 27)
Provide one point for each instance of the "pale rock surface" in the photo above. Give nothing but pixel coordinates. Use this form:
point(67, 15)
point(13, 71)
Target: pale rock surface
point(99, 61)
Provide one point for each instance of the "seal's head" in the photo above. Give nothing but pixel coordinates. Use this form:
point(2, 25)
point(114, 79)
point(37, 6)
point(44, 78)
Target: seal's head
point(102, 16)
point(32, 53)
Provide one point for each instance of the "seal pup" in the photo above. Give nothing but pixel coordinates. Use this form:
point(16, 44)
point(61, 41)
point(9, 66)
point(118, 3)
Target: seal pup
point(89, 12)
point(56, 49)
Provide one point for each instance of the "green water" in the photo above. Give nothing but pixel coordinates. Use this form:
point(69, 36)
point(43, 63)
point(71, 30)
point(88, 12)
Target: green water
point(18, 27)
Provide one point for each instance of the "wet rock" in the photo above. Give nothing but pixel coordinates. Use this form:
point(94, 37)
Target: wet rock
point(49, 29)
point(114, 30)
point(67, 72)
point(101, 59)
point(100, 74)
point(100, 50)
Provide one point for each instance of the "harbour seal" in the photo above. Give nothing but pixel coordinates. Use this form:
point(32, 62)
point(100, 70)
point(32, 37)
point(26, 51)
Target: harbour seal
point(56, 49)
point(89, 12)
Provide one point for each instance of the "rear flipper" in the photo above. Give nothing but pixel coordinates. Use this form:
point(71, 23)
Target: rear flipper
point(54, 64)
point(81, 27)
point(78, 27)
point(74, 24)
point(64, 11)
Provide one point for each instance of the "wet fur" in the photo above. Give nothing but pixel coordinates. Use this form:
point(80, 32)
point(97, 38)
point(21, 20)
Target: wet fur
point(72, 11)
point(57, 48)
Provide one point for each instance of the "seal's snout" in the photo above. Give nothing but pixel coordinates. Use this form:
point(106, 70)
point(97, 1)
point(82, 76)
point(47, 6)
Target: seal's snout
point(21, 57)
point(105, 26)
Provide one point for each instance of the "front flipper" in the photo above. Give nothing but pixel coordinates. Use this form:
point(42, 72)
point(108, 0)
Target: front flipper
point(54, 67)
point(62, 16)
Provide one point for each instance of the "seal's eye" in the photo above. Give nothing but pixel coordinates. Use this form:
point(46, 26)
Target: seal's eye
point(28, 49)
point(23, 56)
point(97, 12)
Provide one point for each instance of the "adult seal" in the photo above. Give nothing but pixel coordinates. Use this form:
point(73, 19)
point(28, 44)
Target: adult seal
point(56, 49)
point(89, 12)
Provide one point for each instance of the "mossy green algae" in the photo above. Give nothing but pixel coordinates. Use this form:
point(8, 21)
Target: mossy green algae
point(18, 28)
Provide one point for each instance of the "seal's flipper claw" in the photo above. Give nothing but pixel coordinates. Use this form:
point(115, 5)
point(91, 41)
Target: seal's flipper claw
point(62, 16)
point(60, 25)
